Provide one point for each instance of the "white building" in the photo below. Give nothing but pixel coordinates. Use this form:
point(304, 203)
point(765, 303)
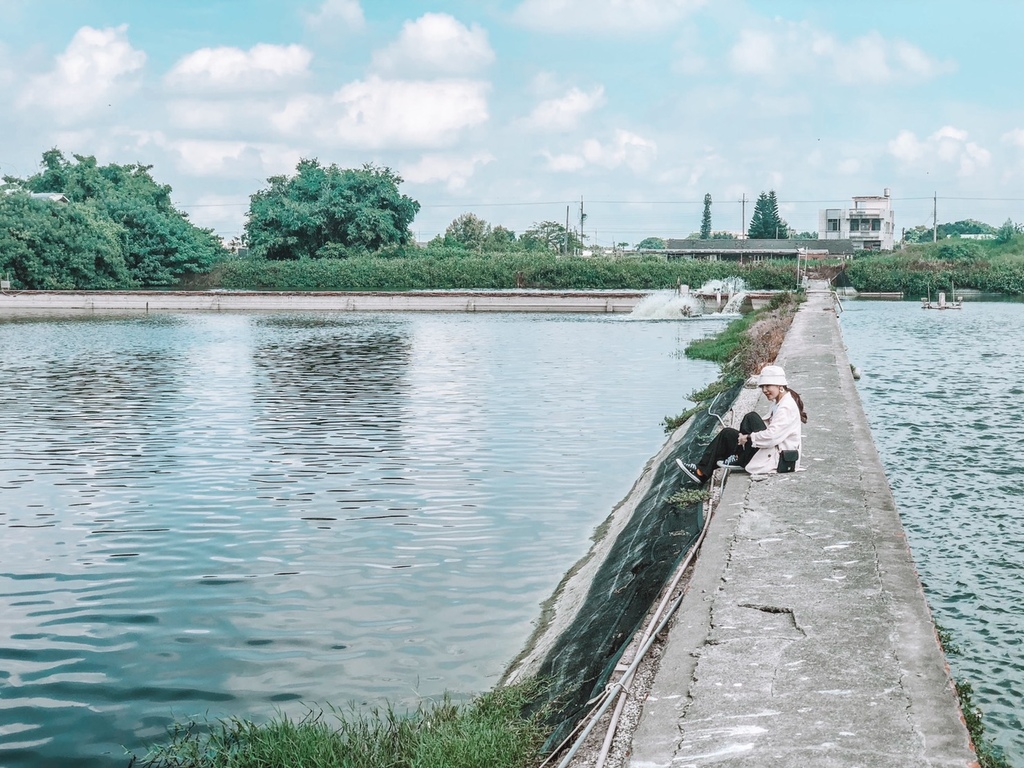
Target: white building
point(869, 224)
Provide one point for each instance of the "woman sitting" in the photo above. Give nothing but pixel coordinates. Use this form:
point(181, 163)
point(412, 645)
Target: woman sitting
point(757, 444)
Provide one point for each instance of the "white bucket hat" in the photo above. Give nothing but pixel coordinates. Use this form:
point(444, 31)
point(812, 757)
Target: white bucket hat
point(772, 374)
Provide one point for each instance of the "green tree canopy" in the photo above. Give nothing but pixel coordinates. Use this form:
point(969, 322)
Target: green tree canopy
point(501, 239)
point(158, 243)
point(550, 236)
point(469, 231)
point(357, 209)
point(705, 222)
point(1007, 232)
point(47, 245)
point(766, 224)
point(651, 244)
point(966, 227)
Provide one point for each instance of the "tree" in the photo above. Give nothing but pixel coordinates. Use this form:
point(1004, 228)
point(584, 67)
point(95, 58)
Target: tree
point(469, 231)
point(966, 227)
point(355, 209)
point(550, 236)
point(705, 222)
point(159, 244)
point(766, 224)
point(1006, 232)
point(651, 244)
point(46, 245)
point(918, 234)
point(501, 239)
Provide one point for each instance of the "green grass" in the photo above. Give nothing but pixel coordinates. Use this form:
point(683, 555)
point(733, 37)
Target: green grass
point(723, 345)
point(490, 732)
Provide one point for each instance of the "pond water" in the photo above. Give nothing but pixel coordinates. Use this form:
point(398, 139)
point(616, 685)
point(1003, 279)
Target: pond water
point(942, 391)
point(235, 515)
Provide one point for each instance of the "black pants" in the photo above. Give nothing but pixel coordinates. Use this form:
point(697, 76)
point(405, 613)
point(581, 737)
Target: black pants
point(726, 443)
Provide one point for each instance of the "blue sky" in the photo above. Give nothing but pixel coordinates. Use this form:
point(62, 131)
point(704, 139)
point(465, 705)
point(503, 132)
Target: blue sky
point(516, 109)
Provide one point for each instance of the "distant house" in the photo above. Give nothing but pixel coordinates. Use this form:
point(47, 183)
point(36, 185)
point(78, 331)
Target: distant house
point(754, 250)
point(869, 224)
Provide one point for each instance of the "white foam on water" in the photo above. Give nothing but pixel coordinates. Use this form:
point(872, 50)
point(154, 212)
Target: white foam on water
point(668, 305)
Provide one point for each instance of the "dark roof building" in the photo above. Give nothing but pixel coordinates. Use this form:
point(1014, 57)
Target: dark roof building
point(754, 250)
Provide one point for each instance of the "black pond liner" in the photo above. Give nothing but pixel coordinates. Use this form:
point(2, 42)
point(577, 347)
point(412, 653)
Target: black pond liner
point(637, 568)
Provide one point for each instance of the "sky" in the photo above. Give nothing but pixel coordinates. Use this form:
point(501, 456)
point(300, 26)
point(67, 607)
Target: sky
point(521, 111)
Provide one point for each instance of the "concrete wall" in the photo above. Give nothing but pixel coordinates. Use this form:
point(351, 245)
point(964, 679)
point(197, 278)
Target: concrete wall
point(249, 301)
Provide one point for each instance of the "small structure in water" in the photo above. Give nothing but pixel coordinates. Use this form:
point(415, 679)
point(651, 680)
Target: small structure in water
point(956, 303)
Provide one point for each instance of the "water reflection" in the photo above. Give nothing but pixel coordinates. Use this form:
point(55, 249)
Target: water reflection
point(238, 514)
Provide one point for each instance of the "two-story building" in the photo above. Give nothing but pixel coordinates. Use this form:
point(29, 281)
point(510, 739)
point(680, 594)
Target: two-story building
point(869, 224)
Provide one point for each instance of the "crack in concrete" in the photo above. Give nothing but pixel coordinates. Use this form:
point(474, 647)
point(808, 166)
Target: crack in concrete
point(777, 609)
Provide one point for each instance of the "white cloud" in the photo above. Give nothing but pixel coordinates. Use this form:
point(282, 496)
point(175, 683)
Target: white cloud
point(784, 49)
point(1014, 137)
point(565, 162)
point(95, 68)
point(435, 43)
point(348, 13)
point(602, 16)
point(301, 113)
point(948, 145)
point(453, 170)
point(233, 158)
point(755, 53)
point(261, 67)
point(564, 113)
point(378, 113)
point(625, 149)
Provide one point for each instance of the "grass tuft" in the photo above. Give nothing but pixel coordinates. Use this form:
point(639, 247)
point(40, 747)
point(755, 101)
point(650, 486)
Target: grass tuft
point(490, 732)
point(689, 496)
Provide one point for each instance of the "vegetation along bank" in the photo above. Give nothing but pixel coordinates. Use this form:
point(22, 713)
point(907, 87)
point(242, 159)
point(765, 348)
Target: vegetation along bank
point(79, 225)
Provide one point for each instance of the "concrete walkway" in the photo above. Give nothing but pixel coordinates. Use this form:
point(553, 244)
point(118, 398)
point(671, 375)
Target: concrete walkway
point(805, 638)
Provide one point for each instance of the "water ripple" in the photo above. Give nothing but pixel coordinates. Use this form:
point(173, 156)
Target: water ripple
point(935, 388)
point(235, 514)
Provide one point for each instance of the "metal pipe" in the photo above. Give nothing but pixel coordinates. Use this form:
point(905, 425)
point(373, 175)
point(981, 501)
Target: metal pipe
point(654, 627)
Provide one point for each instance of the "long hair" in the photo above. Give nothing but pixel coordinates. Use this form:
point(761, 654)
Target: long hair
point(799, 404)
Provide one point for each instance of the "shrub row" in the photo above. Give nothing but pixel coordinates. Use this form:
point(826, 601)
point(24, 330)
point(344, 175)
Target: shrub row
point(499, 272)
point(917, 276)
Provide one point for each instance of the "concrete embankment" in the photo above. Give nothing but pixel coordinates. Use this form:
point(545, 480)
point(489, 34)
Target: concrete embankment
point(296, 301)
point(804, 637)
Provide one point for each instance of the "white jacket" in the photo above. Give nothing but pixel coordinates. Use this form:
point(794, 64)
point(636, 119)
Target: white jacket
point(782, 434)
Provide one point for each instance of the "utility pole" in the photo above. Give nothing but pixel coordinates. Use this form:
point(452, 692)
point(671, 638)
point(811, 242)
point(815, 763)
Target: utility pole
point(582, 217)
point(935, 217)
point(565, 250)
point(743, 217)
